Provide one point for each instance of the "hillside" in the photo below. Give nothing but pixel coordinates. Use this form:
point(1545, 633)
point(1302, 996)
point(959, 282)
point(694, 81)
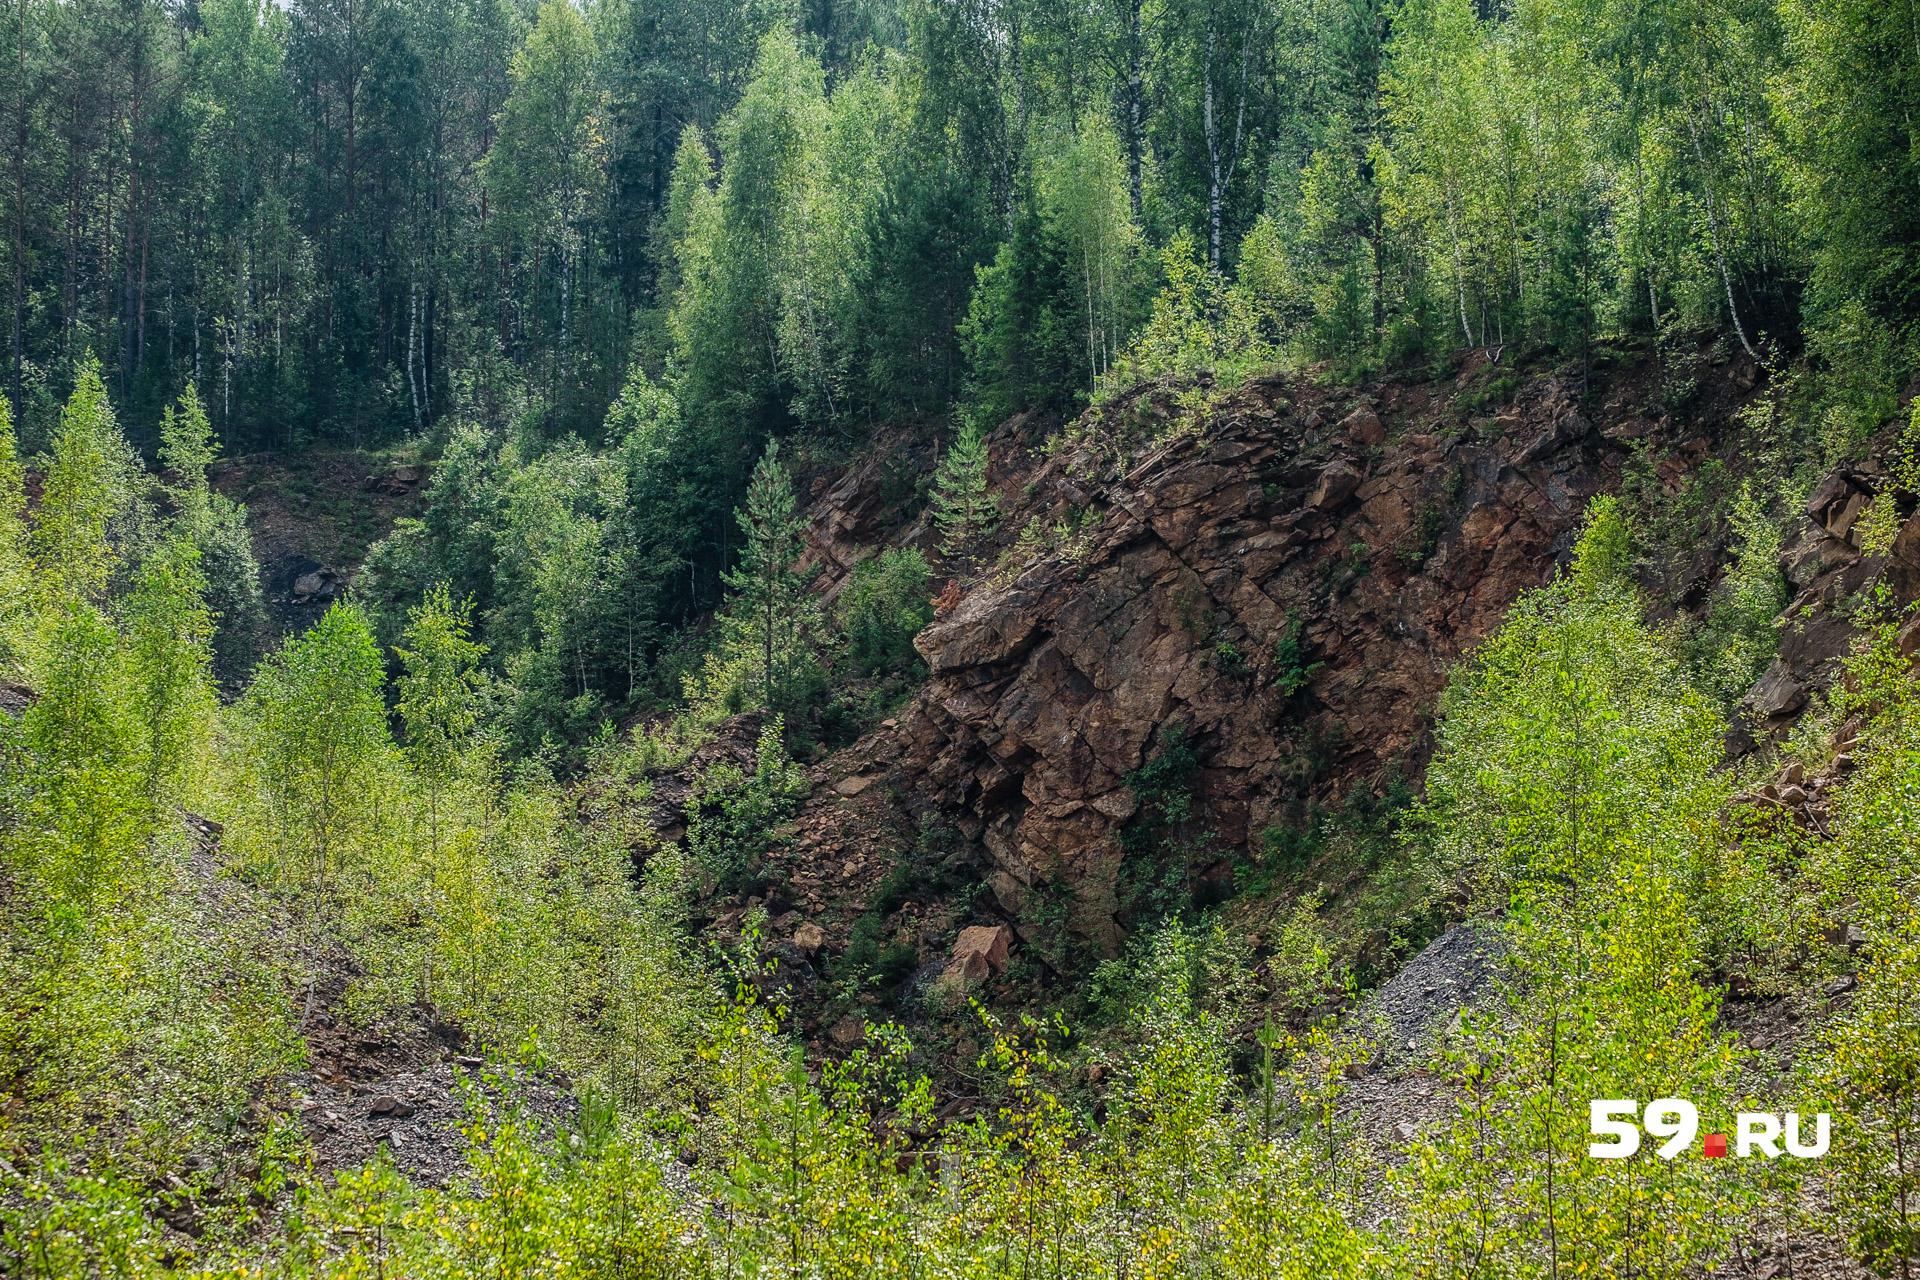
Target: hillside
point(1286, 584)
point(959, 640)
point(1179, 704)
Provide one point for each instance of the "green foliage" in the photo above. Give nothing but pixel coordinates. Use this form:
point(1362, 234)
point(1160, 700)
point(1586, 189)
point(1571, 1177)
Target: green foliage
point(143, 1015)
point(1576, 784)
point(318, 755)
point(217, 528)
point(1841, 100)
point(767, 656)
point(438, 692)
point(1572, 734)
point(168, 633)
point(577, 563)
point(1866, 366)
point(1199, 322)
point(16, 590)
point(1291, 669)
point(1868, 1075)
point(233, 595)
point(357, 221)
point(1023, 348)
point(871, 960)
point(964, 508)
point(1880, 523)
point(1080, 188)
point(731, 814)
point(1740, 635)
point(81, 531)
point(1166, 843)
point(547, 166)
point(884, 606)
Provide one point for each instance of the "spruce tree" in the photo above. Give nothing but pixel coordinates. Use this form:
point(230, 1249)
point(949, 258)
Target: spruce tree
point(772, 618)
point(963, 508)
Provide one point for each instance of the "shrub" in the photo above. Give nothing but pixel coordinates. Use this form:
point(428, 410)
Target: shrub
point(883, 609)
point(1291, 670)
point(731, 814)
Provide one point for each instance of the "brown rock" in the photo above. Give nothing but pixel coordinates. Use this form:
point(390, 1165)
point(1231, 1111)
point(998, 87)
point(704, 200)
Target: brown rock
point(847, 1032)
point(1841, 520)
point(1909, 638)
point(1826, 497)
point(980, 951)
point(809, 938)
point(1363, 427)
point(1336, 484)
point(1053, 681)
point(1813, 556)
point(1776, 694)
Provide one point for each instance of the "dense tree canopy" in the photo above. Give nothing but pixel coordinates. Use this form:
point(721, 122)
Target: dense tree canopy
point(355, 219)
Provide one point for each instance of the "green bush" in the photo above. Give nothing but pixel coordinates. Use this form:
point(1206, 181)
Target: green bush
point(883, 608)
point(731, 814)
point(1291, 669)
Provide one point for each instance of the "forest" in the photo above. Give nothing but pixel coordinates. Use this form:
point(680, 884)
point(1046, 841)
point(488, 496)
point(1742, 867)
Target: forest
point(508, 912)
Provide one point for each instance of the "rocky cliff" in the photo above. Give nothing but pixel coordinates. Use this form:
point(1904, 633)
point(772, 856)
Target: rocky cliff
point(1280, 577)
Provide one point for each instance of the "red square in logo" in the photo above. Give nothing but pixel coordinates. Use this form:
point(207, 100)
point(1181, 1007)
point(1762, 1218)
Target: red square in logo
point(1715, 1146)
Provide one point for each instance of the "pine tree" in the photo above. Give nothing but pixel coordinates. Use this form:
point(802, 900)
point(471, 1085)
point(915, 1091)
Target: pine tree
point(963, 509)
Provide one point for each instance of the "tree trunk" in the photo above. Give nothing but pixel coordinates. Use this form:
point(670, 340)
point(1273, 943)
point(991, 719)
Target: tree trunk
point(1209, 128)
point(1713, 235)
point(413, 345)
point(17, 394)
point(1379, 244)
point(1136, 106)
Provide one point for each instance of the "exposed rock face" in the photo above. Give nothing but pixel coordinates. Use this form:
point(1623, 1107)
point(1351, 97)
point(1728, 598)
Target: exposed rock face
point(855, 511)
point(1827, 569)
point(1173, 602)
point(1290, 583)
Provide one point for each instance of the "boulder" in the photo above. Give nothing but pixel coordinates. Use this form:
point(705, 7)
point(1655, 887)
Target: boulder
point(980, 951)
point(1337, 482)
point(322, 583)
point(1363, 427)
point(1776, 694)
